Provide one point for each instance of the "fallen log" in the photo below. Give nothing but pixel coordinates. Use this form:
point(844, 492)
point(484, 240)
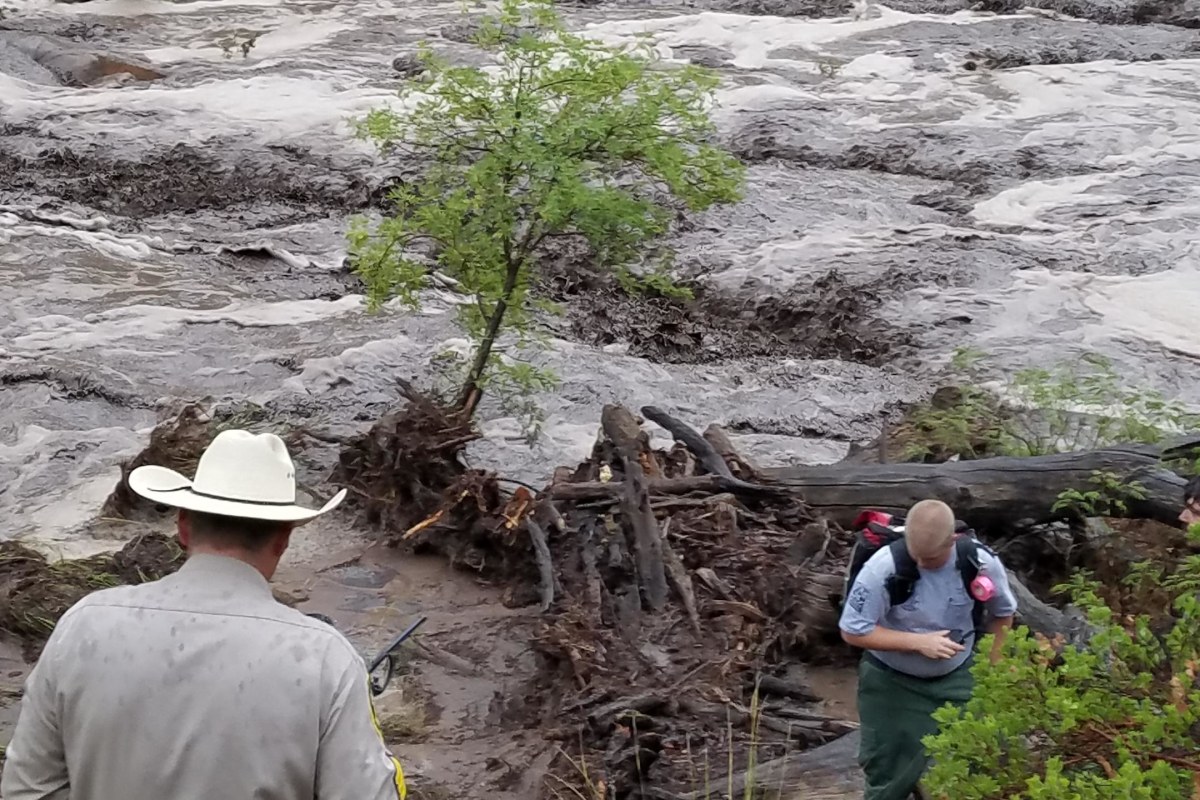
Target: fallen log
point(716, 436)
point(987, 492)
point(630, 440)
point(1047, 620)
point(707, 484)
point(701, 448)
point(828, 772)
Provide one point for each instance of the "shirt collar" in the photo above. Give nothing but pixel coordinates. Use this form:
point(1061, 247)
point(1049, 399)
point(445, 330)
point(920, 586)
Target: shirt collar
point(212, 568)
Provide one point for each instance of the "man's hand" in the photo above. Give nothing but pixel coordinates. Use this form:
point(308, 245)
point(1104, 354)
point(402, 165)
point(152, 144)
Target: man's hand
point(936, 645)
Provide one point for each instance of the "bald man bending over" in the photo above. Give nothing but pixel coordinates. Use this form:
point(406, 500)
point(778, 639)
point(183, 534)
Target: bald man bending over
point(918, 653)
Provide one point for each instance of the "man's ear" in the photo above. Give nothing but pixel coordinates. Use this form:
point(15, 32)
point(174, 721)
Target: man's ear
point(281, 540)
point(183, 525)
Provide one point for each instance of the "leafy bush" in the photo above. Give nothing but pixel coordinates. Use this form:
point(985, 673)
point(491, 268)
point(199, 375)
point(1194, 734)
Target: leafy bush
point(1081, 405)
point(1110, 496)
point(563, 137)
point(1119, 719)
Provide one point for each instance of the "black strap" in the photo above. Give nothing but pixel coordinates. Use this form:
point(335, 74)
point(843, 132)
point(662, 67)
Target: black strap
point(193, 490)
point(966, 553)
point(901, 584)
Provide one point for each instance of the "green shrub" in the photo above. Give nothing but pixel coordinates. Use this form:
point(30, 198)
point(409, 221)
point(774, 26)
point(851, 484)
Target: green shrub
point(1118, 719)
point(1080, 405)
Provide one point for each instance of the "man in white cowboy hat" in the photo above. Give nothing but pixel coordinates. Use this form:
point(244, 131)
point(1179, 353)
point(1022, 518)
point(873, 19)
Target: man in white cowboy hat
point(200, 685)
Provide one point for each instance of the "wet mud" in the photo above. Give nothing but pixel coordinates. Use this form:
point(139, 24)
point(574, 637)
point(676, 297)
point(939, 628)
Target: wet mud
point(183, 179)
point(834, 317)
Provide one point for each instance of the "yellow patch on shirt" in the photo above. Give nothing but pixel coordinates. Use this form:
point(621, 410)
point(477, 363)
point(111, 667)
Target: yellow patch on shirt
point(401, 787)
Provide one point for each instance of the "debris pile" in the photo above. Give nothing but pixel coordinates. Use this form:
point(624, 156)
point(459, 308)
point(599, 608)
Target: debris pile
point(35, 592)
point(674, 584)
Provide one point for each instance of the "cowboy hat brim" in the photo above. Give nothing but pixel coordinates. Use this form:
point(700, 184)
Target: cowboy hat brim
point(168, 487)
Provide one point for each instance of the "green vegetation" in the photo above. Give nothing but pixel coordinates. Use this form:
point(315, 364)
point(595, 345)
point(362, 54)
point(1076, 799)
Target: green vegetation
point(563, 138)
point(1117, 719)
point(1109, 498)
point(1071, 407)
point(1081, 405)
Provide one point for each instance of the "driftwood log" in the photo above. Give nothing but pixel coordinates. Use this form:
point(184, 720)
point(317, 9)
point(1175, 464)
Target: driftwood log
point(987, 492)
point(828, 772)
point(633, 446)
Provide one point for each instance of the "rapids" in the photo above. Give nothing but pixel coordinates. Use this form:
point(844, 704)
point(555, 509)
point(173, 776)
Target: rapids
point(1011, 178)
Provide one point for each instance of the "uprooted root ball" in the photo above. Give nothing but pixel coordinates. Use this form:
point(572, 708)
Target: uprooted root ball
point(407, 476)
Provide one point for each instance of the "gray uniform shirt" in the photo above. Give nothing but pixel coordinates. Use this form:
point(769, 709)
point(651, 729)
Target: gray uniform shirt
point(939, 602)
point(196, 687)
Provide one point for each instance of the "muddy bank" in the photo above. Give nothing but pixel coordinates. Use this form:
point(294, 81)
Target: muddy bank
point(684, 599)
point(835, 316)
point(561, 629)
point(35, 592)
point(182, 179)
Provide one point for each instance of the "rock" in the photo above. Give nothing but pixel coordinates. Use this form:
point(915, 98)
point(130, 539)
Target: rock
point(704, 55)
point(51, 60)
point(409, 66)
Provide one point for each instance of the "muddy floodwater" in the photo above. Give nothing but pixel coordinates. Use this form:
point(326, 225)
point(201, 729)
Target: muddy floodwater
point(922, 176)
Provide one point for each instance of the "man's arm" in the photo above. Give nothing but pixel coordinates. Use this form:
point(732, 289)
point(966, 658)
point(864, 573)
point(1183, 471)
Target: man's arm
point(353, 763)
point(35, 766)
point(1000, 626)
point(1002, 606)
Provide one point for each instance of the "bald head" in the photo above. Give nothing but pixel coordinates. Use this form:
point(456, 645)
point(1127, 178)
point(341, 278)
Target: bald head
point(929, 531)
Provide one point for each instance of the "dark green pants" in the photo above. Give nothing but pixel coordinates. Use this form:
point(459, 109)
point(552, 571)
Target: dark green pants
point(896, 712)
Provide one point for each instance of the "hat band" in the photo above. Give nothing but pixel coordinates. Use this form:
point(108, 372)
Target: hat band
point(199, 493)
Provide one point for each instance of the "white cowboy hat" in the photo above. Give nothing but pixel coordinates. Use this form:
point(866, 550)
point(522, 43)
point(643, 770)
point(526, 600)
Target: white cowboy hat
point(241, 474)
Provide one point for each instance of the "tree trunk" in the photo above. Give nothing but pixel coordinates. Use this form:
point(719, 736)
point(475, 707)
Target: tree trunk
point(987, 492)
point(471, 393)
point(1047, 620)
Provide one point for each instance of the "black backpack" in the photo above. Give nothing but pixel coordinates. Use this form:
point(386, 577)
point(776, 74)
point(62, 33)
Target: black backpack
point(875, 530)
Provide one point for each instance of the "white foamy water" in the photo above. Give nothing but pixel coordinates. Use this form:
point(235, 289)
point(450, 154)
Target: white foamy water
point(1072, 204)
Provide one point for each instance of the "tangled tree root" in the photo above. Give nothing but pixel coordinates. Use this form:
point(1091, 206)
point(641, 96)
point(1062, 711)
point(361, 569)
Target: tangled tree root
point(407, 476)
point(678, 592)
point(35, 592)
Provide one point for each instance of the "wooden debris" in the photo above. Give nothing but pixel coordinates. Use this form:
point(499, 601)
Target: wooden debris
point(631, 441)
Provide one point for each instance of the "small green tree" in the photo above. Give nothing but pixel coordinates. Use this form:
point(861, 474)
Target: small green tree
point(1118, 718)
point(564, 137)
